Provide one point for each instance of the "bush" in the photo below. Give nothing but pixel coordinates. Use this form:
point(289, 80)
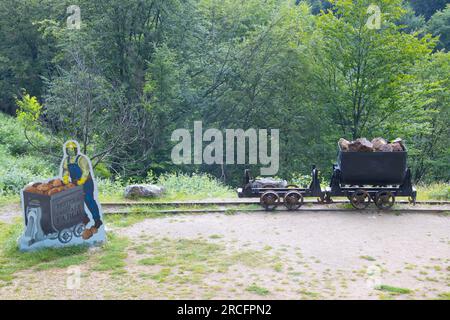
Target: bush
point(196, 186)
point(434, 191)
point(12, 136)
point(441, 194)
point(16, 172)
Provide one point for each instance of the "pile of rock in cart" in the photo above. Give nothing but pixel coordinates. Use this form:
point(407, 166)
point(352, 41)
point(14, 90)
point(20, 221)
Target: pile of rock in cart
point(49, 188)
point(376, 145)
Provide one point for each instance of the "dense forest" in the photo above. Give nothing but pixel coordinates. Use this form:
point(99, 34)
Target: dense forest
point(136, 70)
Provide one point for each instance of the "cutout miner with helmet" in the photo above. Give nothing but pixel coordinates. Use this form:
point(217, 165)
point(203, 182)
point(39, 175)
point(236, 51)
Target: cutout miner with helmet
point(56, 211)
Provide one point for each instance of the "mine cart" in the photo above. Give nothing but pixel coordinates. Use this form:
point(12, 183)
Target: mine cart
point(363, 177)
point(59, 216)
point(273, 193)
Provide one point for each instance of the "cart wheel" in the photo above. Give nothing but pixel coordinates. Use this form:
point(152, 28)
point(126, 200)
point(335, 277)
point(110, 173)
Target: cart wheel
point(270, 200)
point(78, 230)
point(64, 236)
point(360, 199)
point(293, 200)
point(384, 200)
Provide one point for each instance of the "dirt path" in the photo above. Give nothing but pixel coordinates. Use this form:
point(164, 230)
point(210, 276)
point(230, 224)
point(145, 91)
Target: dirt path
point(272, 255)
point(334, 255)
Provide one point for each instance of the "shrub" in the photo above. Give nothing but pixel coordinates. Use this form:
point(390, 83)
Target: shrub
point(195, 185)
point(16, 172)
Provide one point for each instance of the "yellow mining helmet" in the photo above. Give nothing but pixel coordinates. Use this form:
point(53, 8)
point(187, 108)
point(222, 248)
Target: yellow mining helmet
point(71, 145)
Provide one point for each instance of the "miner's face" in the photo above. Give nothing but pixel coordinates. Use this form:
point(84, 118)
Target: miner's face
point(71, 150)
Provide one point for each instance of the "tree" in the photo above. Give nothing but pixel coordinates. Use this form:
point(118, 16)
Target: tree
point(360, 69)
point(439, 25)
point(427, 7)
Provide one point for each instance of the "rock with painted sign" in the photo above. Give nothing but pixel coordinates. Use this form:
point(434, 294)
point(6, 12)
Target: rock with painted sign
point(64, 210)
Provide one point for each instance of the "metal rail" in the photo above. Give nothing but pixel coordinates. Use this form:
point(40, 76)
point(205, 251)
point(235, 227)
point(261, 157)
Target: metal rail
point(305, 210)
point(237, 203)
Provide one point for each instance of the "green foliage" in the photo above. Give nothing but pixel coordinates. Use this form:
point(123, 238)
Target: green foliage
point(195, 186)
point(393, 290)
point(426, 8)
point(435, 191)
point(29, 110)
point(19, 163)
point(439, 25)
point(258, 290)
point(136, 70)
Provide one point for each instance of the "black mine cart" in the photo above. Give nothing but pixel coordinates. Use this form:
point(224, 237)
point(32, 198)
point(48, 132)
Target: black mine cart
point(59, 216)
point(364, 177)
point(272, 195)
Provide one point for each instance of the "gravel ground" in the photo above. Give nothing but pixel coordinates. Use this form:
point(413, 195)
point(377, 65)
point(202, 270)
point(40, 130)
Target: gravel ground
point(351, 250)
point(308, 255)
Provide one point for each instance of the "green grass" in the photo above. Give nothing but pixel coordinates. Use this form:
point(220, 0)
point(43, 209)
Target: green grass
point(434, 191)
point(9, 199)
point(12, 260)
point(162, 275)
point(258, 290)
point(194, 258)
point(393, 290)
point(113, 255)
point(179, 187)
point(368, 258)
point(126, 220)
point(444, 296)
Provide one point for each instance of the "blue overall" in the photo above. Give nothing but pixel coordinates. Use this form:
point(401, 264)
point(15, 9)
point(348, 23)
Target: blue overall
point(75, 173)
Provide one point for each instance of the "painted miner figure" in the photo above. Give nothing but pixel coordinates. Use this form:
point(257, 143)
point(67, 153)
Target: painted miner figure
point(76, 168)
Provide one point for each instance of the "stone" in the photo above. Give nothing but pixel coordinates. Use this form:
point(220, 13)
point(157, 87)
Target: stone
point(143, 191)
point(361, 145)
point(267, 182)
point(378, 143)
point(386, 148)
point(343, 144)
point(397, 147)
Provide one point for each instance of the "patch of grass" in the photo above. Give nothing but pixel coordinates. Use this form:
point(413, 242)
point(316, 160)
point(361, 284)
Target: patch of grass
point(368, 258)
point(230, 211)
point(9, 199)
point(278, 267)
point(127, 220)
point(252, 258)
point(13, 260)
point(162, 275)
point(215, 236)
point(391, 289)
point(179, 187)
point(444, 296)
point(112, 257)
point(434, 191)
point(194, 258)
point(309, 293)
point(258, 290)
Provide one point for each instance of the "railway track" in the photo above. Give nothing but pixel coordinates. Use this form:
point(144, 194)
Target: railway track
point(243, 202)
point(230, 207)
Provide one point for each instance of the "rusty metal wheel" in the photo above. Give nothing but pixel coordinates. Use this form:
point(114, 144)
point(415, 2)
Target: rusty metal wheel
point(269, 200)
point(360, 199)
point(384, 200)
point(293, 200)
